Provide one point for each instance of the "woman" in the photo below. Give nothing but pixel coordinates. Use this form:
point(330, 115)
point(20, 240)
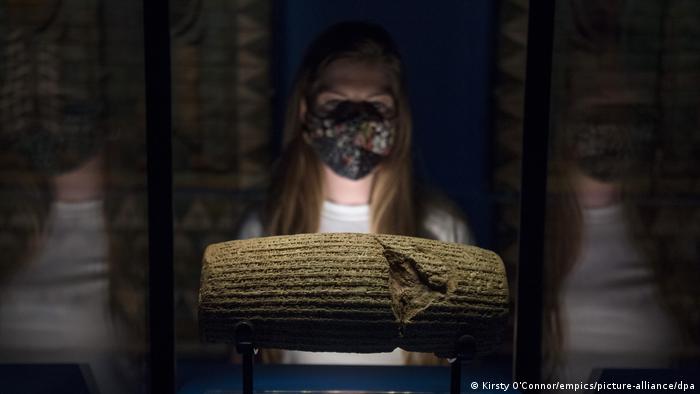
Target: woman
point(347, 164)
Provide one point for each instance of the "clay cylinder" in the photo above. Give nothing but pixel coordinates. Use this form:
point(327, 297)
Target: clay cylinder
point(360, 293)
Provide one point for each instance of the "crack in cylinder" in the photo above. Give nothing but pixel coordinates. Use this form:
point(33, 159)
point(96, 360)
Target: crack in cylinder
point(410, 287)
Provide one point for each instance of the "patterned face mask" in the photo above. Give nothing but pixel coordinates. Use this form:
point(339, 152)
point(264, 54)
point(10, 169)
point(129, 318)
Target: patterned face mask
point(63, 147)
point(610, 152)
point(351, 137)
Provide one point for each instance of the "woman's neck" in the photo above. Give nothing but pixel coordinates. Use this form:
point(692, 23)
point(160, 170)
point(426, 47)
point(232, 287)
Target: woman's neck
point(593, 193)
point(81, 184)
point(341, 190)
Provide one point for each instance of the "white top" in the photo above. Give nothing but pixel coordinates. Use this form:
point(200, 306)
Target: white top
point(340, 218)
point(611, 312)
point(58, 302)
point(55, 308)
point(438, 223)
point(337, 218)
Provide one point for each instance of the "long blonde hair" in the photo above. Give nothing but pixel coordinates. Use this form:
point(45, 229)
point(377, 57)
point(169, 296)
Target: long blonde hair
point(296, 197)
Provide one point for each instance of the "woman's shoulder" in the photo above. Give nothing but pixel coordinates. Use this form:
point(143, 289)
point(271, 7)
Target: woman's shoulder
point(444, 221)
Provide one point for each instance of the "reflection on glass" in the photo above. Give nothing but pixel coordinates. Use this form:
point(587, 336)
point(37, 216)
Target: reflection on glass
point(221, 139)
point(71, 288)
point(611, 309)
point(620, 290)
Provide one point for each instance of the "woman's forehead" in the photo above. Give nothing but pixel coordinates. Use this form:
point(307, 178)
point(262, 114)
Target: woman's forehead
point(346, 74)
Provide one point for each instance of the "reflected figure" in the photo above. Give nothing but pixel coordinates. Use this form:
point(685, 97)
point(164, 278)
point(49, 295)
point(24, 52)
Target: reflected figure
point(611, 309)
point(55, 278)
point(55, 304)
point(347, 163)
point(55, 300)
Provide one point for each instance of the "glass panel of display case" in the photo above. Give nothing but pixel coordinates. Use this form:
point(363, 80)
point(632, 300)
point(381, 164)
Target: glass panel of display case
point(73, 226)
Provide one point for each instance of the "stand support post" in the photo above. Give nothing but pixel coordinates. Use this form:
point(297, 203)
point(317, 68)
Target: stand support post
point(244, 346)
point(466, 350)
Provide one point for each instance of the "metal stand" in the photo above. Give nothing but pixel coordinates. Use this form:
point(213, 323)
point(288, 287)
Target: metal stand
point(466, 350)
point(465, 346)
point(244, 346)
